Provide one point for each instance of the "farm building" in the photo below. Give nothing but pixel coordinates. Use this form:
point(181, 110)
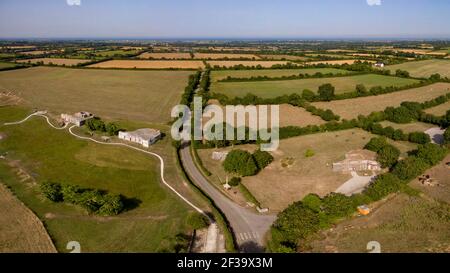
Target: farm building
point(78, 118)
point(358, 160)
point(379, 64)
point(145, 136)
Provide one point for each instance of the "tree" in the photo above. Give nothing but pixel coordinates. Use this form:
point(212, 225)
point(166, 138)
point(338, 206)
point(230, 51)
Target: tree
point(313, 201)
point(410, 168)
point(240, 162)
point(419, 137)
point(402, 73)
point(52, 191)
point(361, 89)
point(435, 77)
point(262, 159)
point(326, 91)
point(112, 129)
point(197, 220)
point(447, 136)
point(431, 153)
point(235, 181)
point(383, 185)
point(376, 144)
point(308, 95)
point(112, 205)
point(337, 205)
point(388, 156)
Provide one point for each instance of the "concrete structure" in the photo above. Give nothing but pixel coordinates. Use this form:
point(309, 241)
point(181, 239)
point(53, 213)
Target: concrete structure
point(145, 137)
point(358, 160)
point(379, 65)
point(79, 119)
point(219, 155)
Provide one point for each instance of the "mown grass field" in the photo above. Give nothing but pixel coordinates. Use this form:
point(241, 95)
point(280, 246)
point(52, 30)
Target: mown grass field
point(131, 95)
point(351, 108)
point(402, 224)
point(439, 110)
point(409, 127)
point(424, 69)
point(6, 65)
point(154, 216)
point(271, 89)
point(291, 175)
point(223, 74)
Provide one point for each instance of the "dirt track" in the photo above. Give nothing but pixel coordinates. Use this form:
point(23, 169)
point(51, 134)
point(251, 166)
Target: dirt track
point(20, 229)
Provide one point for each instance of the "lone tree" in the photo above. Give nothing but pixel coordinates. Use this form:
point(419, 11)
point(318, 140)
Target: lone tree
point(326, 91)
point(240, 162)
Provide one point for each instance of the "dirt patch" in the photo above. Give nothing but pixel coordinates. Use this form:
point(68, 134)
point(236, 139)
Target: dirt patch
point(21, 230)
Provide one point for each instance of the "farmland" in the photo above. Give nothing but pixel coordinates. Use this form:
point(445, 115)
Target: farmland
point(223, 74)
point(55, 61)
point(149, 64)
point(6, 65)
point(266, 64)
point(286, 87)
point(283, 57)
point(153, 215)
point(409, 127)
point(218, 56)
point(352, 61)
point(351, 108)
point(112, 53)
point(292, 175)
point(424, 69)
point(169, 55)
point(112, 94)
point(439, 110)
point(20, 230)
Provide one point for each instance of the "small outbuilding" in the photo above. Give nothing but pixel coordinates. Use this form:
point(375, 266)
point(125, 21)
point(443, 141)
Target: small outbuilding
point(79, 119)
point(145, 136)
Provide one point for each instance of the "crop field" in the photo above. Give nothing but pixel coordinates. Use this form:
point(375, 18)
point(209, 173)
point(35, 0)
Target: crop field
point(424, 69)
point(402, 224)
point(265, 64)
point(223, 74)
point(119, 52)
point(351, 108)
point(337, 62)
point(292, 175)
point(149, 64)
point(55, 61)
point(270, 89)
point(135, 95)
point(283, 57)
point(439, 110)
point(20, 230)
point(409, 127)
point(6, 65)
point(153, 214)
point(218, 56)
point(169, 55)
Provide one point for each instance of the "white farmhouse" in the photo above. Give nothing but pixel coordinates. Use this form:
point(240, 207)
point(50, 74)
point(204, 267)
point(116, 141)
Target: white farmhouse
point(78, 118)
point(145, 136)
point(379, 64)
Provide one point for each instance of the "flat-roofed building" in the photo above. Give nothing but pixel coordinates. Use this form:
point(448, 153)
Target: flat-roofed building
point(78, 118)
point(145, 136)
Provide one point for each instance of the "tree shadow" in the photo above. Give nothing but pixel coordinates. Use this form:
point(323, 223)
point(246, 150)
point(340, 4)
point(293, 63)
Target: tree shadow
point(251, 247)
point(130, 203)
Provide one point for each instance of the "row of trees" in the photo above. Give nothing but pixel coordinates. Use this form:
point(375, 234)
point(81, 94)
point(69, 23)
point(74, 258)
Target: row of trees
point(96, 124)
point(189, 90)
point(282, 78)
point(94, 201)
point(246, 164)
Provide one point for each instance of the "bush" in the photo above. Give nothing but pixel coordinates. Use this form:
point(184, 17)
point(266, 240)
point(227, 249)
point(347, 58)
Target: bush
point(376, 144)
point(96, 124)
point(388, 156)
point(447, 136)
point(337, 205)
point(309, 153)
point(197, 221)
point(419, 137)
point(326, 91)
point(240, 162)
point(52, 191)
point(410, 168)
point(308, 95)
point(112, 205)
point(235, 181)
point(432, 154)
point(383, 185)
point(262, 159)
point(313, 202)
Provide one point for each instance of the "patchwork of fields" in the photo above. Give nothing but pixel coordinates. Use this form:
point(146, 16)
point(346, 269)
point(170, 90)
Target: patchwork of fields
point(424, 69)
point(351, 108)
point(134, 95)
point(270, 89)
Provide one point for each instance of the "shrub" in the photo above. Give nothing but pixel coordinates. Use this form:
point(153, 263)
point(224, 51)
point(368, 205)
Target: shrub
point(388, 156)
point(240, 162)
point(235, 181)
point(361, 89)
point(112, 205)
point(52, 191)
point(447, 136)
point(197, 221)
point(410, 168)
point(326, 91)
point(376, 144)
point(262, 159)
point(383, 185)
point(309, 153)
point(308, 95)
point(431, 153)
point(419, 137)
point(337, 205)
point(313, 202)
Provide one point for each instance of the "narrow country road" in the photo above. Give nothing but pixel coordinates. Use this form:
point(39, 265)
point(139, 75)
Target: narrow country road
point(249, 228)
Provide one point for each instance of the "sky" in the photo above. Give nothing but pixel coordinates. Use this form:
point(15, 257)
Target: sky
point(225, 19)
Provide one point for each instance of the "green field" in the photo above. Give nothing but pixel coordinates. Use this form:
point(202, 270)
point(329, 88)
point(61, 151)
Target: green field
point(425, 68)
point(131, 95)
point(6, 65)
point(155, 215)
point(223, 74)
point(112, 53)
point(270, 89)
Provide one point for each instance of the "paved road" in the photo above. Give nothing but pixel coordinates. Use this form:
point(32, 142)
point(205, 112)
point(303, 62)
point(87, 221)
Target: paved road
point(249, 227)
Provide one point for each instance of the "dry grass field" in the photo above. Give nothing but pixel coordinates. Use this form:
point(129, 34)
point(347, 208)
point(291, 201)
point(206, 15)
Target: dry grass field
point(266, 64)
point(351, 108)
point(218, 56)
point(439, 110)
point(401, 224)
point(424, 68)
point(149, 64)
point(283, 57)
point(20, 230)
point(291, 176)
point(409, 127)
point(168, 55)
point(337, 62)
point(55, 61)
point(135, 95)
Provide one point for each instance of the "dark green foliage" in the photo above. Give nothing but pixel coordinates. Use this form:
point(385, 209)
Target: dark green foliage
point(240, 162)
point(52, 191)
point(235, 181)
point(326, 91)
point(431, 153)
point(410, 168)
point(361, 89)
point(402, 73)
point(337, 205)
point(383, 185)
point(400, 114)
point(419, 137)
point(308, 95)
point(197, 221)
point(388, 156)
point(262, 159)
point(313, 202)
point(376, 144)
point(96, 124)
point(112, 129)
point(447, 136)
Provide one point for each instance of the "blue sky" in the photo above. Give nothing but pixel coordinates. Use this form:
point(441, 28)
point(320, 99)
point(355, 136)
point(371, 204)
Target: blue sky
point(224, 19)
